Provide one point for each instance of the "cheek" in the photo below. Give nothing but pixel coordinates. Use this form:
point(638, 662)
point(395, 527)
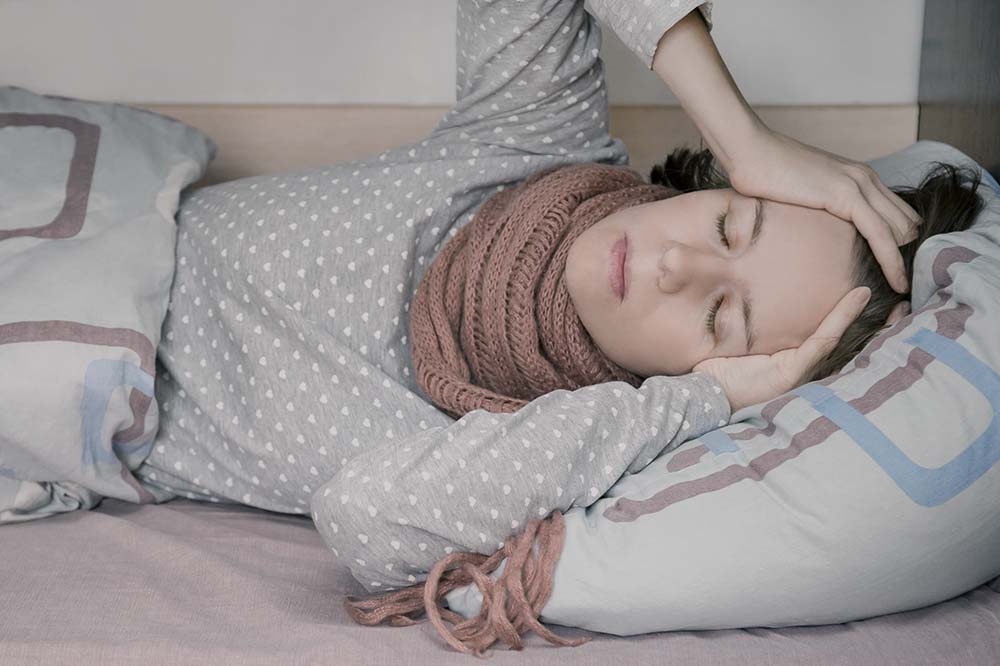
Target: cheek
point(793, 299)
point(671, 345)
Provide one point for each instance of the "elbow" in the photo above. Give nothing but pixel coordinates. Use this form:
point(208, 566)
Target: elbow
point(338, 510)
point(351, 527)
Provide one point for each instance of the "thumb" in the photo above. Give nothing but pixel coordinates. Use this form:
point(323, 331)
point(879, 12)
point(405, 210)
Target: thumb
point(832, 328)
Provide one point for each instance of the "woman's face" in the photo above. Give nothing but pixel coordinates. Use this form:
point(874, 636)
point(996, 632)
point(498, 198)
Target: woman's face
point(678, 268)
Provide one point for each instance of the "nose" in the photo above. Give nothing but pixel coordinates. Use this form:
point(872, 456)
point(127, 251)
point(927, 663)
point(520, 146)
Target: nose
point(683, 267)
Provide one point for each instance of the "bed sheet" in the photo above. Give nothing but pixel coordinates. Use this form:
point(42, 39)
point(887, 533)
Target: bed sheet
point(190, 582)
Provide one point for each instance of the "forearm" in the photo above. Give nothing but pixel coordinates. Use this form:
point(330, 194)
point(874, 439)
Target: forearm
point(399, 506)
point(687, 60)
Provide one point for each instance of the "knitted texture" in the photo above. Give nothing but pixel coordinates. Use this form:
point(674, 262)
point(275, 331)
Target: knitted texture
point(492, 323)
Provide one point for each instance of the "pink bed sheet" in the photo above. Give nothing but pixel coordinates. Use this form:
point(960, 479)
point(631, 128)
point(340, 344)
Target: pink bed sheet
point(200, 583)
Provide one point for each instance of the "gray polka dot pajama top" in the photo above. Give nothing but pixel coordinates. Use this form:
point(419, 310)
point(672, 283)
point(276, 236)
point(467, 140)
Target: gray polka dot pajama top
point(284, 376)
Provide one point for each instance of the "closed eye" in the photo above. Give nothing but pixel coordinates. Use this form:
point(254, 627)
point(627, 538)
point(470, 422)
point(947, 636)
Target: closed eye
point(720, 226)
point(710, 320)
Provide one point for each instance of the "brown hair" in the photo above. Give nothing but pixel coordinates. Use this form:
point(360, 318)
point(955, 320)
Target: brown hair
point(946, 199)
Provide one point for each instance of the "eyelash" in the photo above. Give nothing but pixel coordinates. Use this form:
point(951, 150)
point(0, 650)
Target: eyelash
point(710, 322)
point(720, 226)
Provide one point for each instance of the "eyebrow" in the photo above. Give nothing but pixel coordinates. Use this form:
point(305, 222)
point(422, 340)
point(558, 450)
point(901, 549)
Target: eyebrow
point(758, 223)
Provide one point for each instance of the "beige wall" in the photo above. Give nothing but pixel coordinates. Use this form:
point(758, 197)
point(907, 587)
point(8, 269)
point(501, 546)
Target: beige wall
point(255, 140)
point(402, 51)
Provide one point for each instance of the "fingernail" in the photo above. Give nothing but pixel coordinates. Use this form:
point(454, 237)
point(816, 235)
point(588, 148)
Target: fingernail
point(863, 295)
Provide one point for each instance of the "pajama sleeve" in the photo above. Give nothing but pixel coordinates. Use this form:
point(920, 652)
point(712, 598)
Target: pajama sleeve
point(529, 78)
point(529, 81)
point(401, 505)
point(641, 23)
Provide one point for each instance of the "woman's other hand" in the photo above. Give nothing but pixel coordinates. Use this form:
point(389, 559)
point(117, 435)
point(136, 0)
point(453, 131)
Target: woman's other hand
point(748, 380)
point(763, 163)
point(775, 166)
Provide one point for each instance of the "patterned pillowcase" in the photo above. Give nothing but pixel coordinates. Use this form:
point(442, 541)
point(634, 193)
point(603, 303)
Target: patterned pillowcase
point(873, 491)
point(87, 238)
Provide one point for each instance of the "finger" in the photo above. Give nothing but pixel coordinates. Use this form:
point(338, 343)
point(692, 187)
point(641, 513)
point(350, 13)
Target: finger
point(901, 310)
point(880, 239)
point(830, 330)
point(900, 225)
point(910, 218)
point(907, 209)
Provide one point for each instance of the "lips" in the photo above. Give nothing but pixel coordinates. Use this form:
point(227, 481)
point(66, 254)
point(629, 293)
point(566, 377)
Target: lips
point(625, 271)
point(616, 268)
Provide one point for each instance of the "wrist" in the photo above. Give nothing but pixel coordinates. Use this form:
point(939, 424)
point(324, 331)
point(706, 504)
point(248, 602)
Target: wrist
point(719, 392)
point(688, 62)
point(746, 134)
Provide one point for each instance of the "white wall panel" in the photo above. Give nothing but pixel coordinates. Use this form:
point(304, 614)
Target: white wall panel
point(402, 51)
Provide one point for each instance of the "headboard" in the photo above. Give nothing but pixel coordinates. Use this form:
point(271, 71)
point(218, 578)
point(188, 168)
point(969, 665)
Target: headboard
point(255, 140)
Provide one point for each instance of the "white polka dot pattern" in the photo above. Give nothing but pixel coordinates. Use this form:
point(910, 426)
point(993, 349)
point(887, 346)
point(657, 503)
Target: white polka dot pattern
point(285, 352)
point(470, 485)
point(641, 23)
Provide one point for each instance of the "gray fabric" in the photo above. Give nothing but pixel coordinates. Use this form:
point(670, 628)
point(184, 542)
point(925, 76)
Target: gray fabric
point(87, 236)
point(285, 352)
point(638, 26)
point(199, 584)
point(395, 509)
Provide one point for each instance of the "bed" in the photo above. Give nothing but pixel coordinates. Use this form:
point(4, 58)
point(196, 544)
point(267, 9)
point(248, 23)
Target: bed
point(210, 583)
point(200, 583)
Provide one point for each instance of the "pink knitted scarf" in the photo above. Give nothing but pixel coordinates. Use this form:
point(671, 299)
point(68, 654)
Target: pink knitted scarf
point(493, 327)
point(492, 323)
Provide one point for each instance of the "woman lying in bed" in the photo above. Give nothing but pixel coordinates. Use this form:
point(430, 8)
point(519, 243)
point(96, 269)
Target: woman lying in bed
point(629, 313)
point(763, 296)
point(585, 274)
point(286, 382)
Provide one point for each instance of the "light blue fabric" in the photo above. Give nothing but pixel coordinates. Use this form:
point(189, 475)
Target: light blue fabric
point(928, 486)
point(991, 181)
point(101, 379)
point(87, 238)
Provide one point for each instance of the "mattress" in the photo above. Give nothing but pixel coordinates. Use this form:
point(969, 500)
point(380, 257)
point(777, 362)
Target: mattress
point(190, 582)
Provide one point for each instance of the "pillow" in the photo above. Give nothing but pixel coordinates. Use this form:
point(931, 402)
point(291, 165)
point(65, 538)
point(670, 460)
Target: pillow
point(872, 491)
point(87, 239)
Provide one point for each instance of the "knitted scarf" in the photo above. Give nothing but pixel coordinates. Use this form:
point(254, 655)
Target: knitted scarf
point(492, 323)
point(493, 327)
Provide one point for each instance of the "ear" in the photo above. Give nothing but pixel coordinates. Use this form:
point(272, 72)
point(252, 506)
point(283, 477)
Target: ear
point(901, 310)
